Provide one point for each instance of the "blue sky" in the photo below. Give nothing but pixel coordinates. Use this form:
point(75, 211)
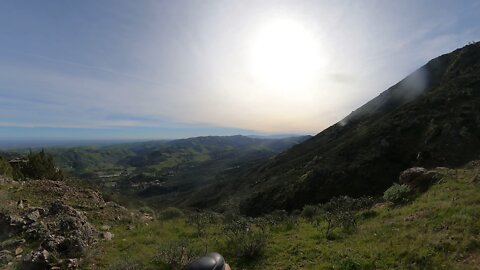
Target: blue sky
point(167, 69)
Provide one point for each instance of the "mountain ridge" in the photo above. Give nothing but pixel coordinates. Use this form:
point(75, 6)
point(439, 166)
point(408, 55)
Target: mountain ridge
point(427, 119)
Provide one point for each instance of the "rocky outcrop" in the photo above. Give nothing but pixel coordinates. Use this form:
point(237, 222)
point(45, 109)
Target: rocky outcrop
point(418, 178)
point(70, 230)
point(60, 229)
point(80, 198)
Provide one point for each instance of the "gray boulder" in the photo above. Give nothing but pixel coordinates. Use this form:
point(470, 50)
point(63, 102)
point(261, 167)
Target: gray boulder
point(418, 178)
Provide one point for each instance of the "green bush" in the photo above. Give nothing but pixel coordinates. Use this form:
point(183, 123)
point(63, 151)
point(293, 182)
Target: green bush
point(397, 194)
point(340, 212)
point(171, 213)
point(244, 239)
point(5, 168)
point(127, 264)
point(177, 254)
point(5, 207)
point(147, 210)
point(309, 211)
point(41, 166)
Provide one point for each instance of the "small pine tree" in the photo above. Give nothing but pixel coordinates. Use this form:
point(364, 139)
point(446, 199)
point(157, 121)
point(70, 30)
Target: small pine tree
point(41, 166)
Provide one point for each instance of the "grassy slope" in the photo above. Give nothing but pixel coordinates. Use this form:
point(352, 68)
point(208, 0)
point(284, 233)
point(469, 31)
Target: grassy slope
point(439, 230)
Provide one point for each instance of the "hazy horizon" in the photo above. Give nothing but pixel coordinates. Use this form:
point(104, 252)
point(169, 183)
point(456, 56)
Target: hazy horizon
point(123, 70)
point(38, 143)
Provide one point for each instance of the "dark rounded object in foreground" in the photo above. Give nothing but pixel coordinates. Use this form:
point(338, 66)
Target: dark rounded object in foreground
point(212, 261)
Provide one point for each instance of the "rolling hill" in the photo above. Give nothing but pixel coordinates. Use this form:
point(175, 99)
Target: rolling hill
point(166, 168)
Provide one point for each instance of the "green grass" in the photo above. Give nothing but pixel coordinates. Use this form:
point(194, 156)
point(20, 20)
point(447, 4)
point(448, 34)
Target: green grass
point(438, 230)
point(140, 243)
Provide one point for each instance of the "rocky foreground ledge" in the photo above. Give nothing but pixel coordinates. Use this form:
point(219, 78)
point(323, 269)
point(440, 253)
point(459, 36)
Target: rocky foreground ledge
point(48, 224)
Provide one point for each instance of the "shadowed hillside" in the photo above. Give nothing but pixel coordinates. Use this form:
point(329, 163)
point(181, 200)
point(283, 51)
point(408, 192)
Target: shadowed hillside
point(428, 119)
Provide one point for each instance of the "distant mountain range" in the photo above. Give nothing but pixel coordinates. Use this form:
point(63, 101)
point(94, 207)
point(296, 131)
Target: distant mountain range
point(19, 144)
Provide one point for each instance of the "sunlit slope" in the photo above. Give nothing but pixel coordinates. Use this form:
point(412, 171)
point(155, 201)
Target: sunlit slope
point(429, 119)
point(437, 230)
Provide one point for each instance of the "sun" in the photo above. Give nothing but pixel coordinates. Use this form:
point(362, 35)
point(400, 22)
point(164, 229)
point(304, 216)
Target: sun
point(285, 54)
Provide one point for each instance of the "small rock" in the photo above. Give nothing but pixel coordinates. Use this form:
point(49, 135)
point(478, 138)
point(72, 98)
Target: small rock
point(105, 228)
point(73, 263)
point(16, 221)
point(20, 204)
point(417, 178)
point(107, 236)
point(53, 242)
point(18, 251)
point(33, 216)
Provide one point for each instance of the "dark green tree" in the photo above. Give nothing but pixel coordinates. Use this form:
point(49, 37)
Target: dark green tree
point(5, 168)
point(41, 166)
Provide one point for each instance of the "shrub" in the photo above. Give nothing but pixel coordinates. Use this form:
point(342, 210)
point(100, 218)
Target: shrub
point(5, 207)
point(309, 211)
point(200, 221)
point(171, 213)
point(340, 212)
point(278, 216)
point(176, 254)
point(244, 238)
point(147, 210)
point(290, 223)
point(41, 166)
point(127, 264)
point(397, 193)
point(5, 168)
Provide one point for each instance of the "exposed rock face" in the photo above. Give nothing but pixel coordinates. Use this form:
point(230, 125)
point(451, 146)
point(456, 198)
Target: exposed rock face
point(60, 229)
point(71, 233)
point(79, 198)
point(57, 228)
point(417, 178)
point(37, 259)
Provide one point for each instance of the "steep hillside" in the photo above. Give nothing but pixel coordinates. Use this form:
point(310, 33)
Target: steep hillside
point(428, 119)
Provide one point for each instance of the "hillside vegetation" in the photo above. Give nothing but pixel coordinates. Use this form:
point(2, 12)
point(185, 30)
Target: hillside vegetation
point(428, 119)
point(164, 172)
point(436, 229)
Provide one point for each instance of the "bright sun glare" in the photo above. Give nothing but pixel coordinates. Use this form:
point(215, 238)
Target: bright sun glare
point(285, 54)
